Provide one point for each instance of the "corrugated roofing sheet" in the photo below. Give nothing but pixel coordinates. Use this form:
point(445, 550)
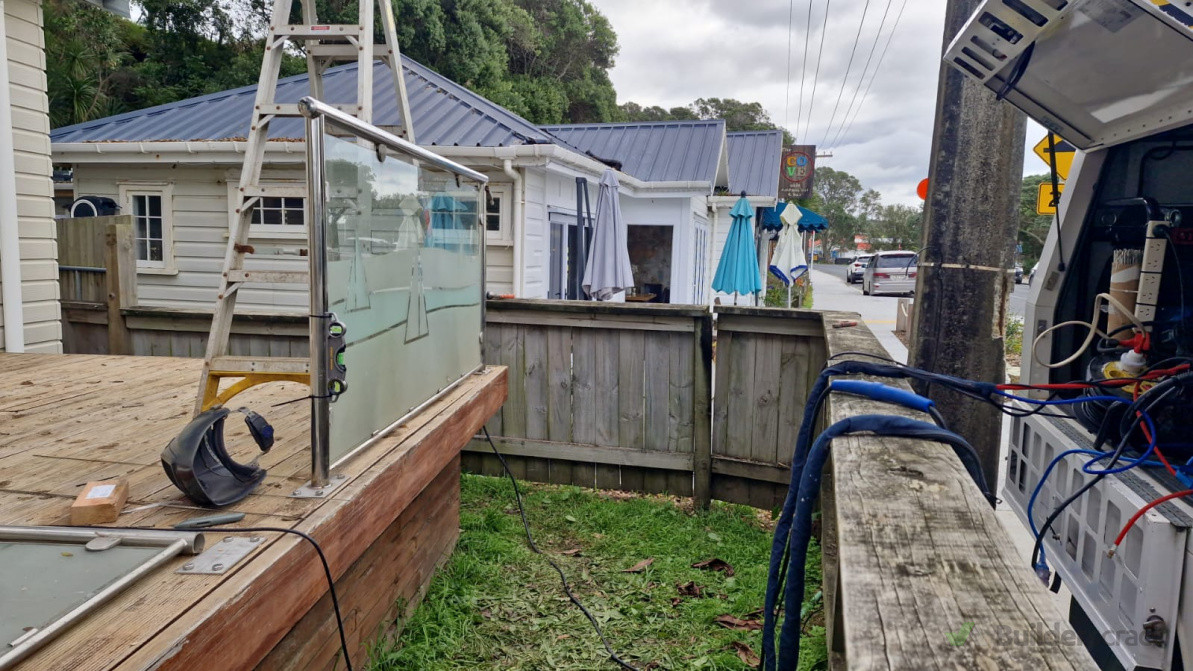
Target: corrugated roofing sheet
point(444, 112)
point(754, 159)
point(666, 151)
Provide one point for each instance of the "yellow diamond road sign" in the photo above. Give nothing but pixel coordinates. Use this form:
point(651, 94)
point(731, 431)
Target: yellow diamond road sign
point(1045, 200)
point(1064, 155)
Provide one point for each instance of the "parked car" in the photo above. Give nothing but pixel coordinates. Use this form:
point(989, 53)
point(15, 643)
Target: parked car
point(1018, 273)
point(856, 269)
point(891, 273)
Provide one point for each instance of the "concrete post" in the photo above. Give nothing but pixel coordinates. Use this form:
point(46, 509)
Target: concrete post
point(970, 229)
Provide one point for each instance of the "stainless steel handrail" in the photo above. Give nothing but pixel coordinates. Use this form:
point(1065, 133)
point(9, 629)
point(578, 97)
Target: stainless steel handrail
point(312, 108)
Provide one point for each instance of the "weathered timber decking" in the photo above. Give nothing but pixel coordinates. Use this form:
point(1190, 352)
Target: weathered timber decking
point(69, 419)
point(912, 552)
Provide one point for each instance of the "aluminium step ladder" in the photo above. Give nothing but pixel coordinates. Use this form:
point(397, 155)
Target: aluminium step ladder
point(324, 45)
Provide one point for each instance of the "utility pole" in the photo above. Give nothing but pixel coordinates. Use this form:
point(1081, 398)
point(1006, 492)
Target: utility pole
point(970, 229)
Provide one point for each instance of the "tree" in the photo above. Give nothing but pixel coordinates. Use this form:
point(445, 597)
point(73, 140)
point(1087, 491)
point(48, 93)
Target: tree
point(1033, 228)
point(838, 198)
point(547, 60)
point(897, 227)
point(738, 115)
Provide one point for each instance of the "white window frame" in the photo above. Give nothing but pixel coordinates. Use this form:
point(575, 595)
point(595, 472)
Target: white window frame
point(165, 191)
point(503, 236)
point(267, 231)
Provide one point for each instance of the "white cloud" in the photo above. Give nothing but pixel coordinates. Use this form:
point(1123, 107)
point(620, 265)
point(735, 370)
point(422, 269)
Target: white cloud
point(674, 51)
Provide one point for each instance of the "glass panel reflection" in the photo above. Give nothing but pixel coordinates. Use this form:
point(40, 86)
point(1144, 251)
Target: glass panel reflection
point(404, 274)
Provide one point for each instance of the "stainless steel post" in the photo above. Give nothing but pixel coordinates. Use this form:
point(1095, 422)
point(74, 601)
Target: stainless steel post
point(320, 357)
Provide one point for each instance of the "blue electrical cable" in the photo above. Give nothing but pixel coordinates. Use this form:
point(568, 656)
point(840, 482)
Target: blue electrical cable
point(801, 530)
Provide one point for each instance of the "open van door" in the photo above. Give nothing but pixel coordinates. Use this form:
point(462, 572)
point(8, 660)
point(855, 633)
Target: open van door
point(1096, 72)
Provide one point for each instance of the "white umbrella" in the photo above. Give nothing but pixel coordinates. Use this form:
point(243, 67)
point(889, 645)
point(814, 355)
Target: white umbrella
point(788, 262)
point(607, 271)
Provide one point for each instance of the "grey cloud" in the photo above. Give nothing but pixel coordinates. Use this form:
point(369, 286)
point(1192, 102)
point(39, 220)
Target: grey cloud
point(674, 51)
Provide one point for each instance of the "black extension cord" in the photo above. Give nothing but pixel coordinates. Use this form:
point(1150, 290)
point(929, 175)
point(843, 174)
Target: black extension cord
point(331, 584)
point(563, 578)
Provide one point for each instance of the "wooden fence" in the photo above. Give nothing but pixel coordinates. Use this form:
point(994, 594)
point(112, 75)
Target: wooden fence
point(620, 396)
point(97, 272)
point(602, 395)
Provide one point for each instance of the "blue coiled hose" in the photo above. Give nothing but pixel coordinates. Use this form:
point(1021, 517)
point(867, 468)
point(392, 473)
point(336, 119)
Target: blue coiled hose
point(785, 539)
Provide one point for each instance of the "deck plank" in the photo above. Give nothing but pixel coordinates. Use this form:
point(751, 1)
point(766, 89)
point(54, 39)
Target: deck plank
point(122, 412)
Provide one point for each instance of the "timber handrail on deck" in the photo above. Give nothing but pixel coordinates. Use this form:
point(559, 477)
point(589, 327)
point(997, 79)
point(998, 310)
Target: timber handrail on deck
point(912, 553)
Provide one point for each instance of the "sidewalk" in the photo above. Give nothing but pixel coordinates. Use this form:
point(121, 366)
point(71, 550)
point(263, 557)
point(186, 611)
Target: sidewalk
point(830, 292)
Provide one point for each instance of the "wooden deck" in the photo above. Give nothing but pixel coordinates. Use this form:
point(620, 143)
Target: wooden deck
point(69, 419)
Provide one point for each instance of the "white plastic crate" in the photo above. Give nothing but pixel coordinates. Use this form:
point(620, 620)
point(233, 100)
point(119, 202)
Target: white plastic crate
point(1142, 581)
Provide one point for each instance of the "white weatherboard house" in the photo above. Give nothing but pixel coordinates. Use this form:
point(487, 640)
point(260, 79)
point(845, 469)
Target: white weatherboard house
point(173, 168)
point(28, 255)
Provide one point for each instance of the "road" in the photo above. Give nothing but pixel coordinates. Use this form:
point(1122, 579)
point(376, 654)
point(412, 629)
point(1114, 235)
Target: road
point(830, 292)
point(1018, 302)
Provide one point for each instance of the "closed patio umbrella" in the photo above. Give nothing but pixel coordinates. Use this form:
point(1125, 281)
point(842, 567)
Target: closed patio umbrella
point(787, 262)
point(737, 271)
point(607, 271)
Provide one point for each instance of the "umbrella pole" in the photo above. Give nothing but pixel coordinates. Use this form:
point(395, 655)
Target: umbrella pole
point(789, 296)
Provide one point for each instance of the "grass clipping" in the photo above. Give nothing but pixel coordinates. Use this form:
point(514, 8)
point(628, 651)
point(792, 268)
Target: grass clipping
point(672, 588)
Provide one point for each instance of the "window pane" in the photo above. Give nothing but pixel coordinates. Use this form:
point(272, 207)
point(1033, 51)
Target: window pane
point(139, 224)
point(155, 205)
point(494, 205)
point(293, 203)
point(271, 217)
point(256, 215)
point(155, 250)
point(139, 206)
point(493, 222)
point(155, 228)
point(271, 203)
point(142, 250)
point(294, 217)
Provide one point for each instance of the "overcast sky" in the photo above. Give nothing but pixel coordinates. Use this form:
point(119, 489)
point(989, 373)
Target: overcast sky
point(674, 51)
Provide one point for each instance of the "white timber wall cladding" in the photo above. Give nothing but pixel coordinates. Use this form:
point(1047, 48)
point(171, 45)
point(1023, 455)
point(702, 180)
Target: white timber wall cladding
point(35, 205)
point(199, 209)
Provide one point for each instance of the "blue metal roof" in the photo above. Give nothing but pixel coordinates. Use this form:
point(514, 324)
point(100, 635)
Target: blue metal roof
point(754, 158)
point(665, 151)
point(444, 112)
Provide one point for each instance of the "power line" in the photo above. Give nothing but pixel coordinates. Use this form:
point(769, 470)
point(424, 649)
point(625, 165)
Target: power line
point(790, 29)
point(848, 68)
point(862, 80)
point(819, 58)
point(799, 117)
point(877, 69)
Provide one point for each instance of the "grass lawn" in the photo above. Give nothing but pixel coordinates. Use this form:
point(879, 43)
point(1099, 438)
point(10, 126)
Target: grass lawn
point(497, 605)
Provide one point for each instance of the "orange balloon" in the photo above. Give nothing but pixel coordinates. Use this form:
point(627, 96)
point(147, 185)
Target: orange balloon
point(922, 189)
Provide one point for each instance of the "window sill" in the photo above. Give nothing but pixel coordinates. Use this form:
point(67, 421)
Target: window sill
point(156, 271)
point(498, 242)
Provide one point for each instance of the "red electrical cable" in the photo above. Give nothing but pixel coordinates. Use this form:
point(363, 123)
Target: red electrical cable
point(1139, 513)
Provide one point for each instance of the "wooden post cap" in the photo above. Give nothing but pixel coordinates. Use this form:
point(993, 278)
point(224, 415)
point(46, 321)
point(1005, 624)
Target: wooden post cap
point(99, 502)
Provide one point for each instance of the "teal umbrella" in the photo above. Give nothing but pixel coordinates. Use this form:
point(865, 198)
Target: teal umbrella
point(737, 271)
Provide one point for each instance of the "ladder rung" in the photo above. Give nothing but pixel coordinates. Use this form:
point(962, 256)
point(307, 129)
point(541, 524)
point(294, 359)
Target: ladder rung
point(269, 276)
point(291, 109)
point(248, 364)
point(318, 32)
point(274, 191)
point(345, 51)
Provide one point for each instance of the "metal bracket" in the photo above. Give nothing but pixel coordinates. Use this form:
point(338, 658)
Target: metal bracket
point(217, 559)
point(309, 491)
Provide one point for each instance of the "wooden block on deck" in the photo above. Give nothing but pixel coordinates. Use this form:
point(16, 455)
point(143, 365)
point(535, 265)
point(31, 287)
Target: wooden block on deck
point(99, 503)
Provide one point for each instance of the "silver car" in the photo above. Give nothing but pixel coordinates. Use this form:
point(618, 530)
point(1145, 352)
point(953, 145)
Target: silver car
point(890, 273)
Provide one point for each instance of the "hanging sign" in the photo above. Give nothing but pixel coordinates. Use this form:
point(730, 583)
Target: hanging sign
point(796, 172)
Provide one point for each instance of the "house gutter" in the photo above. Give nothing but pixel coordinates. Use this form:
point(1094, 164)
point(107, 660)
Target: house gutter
point(507, 167)
point(232, 152)
point(10, 237)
